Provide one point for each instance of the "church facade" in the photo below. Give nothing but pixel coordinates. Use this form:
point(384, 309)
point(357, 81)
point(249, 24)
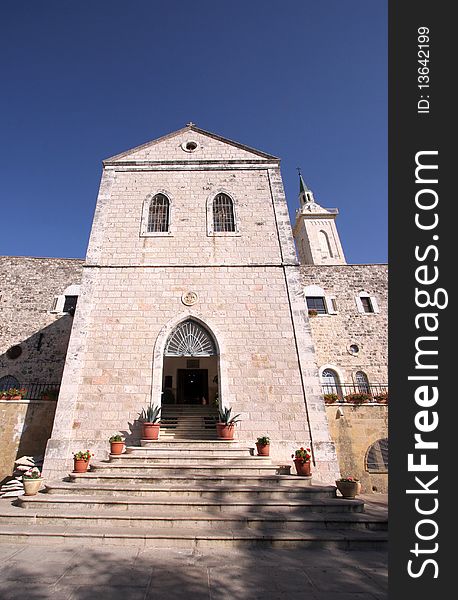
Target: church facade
point(192, 293)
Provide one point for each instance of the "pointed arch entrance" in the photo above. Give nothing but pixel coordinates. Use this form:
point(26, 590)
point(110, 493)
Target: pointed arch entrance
point(190, 373)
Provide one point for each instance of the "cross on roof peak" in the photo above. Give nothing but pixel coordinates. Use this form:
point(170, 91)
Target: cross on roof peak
point(190, 124)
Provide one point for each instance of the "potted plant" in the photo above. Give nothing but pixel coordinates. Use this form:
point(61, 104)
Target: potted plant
point(32, 481)
point(313, 312)
point(331, 398)
point(49, 394)
point(302, 458)
point(117, 444)
point(13, 394)
point(349, 487)
point(149, 418)
point(226, 424)
point(381, 398)
point(358, 398)
point(81, 461)
point(263, 446)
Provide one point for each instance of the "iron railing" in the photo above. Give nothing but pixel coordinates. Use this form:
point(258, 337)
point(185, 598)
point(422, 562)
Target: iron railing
point(38, 391)
point(376, 391)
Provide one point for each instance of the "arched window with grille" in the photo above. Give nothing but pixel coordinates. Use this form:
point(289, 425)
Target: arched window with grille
point(158, 214)
point(223, 214)
point(330, 382)
point(362, 382)
point(377, 457)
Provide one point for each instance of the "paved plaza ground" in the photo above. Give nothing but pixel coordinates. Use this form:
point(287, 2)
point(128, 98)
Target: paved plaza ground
point(68, 572)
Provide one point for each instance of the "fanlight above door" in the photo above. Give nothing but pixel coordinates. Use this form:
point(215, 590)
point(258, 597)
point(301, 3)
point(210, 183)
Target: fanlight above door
point(190, 339)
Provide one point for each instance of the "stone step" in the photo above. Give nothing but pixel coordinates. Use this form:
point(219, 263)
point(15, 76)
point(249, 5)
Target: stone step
point(313, 503)
point(162, 480)
point(183, 450)
point(189, 538)
point(187, 435)
point(165, 470)
point(185, 460)
point(187, 443)
point(221, 493)
point(154, 518)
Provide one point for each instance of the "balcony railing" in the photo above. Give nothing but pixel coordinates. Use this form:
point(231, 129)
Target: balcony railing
point(37, 391)
point(376, 391)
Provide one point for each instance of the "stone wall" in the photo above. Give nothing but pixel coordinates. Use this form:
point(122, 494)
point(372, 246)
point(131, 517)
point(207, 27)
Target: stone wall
point(25, 426)
point(27, 290)
point(353, 433)
point(334, 333)
point(247, 284)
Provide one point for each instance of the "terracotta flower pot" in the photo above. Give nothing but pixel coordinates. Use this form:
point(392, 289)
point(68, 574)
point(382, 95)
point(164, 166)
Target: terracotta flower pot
point(150, 431)
point(80, 465)
point(263, 449)
point(31, 486)
point(116, 447)
point(349, 489)
point(302, 468)
point(225, 432)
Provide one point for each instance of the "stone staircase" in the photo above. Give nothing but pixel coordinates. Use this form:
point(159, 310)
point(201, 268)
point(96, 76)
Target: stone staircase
point(190, 422)
point(187, 493)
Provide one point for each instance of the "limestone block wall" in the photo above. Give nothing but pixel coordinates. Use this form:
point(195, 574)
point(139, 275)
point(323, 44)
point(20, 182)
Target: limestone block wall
point(353, 434)
point(117, 240)
point(25, 426)
point(334, 333)
point(246, 311)
point(27, 289)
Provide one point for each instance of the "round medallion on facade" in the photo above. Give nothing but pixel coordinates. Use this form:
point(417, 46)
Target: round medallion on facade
point(189, 298)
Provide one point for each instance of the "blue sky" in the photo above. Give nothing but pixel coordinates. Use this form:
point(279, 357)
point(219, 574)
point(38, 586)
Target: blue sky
point(82, 81)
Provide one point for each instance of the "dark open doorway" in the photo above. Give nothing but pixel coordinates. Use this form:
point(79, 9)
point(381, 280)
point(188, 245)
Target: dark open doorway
point(192, 386)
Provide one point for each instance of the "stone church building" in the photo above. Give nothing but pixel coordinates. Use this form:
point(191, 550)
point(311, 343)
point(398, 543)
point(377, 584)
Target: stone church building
point(196, 291)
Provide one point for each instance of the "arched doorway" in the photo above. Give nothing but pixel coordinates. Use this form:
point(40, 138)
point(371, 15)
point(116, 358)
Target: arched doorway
point(190, 367)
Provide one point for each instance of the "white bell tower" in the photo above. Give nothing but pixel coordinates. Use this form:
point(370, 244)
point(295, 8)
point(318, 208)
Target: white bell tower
point(315, 231)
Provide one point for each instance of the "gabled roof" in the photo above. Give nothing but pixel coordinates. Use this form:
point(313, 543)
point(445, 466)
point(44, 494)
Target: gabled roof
point(149, 148)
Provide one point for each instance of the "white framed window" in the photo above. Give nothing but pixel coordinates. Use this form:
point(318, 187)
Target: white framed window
point(318, 301)
point(65, 303)
point(156, 215)
point(366, 303)
point(222, 218)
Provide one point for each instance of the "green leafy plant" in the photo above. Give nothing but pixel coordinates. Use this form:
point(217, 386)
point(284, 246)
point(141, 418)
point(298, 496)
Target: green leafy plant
point(12, 392)
point(348, 479)
point(331, 398)
point(358, 398)
point(49, 394)
point(116, 438)
point(264, 440)
point(150, 414)
point(83, 455)
point(313, 312)
point(226, 418)
point(33, 473)
point(302, 454)
point(381, 398)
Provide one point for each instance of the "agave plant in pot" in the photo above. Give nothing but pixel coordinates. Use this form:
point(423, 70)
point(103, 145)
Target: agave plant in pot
point(263, 445)
point(150, 419)
point(32, 481)
point(226, 424)
point(302, 458)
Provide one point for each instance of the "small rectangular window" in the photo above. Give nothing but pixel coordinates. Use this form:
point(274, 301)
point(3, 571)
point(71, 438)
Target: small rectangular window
point(316, 303)
point(367, 304)
point(70, 304)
